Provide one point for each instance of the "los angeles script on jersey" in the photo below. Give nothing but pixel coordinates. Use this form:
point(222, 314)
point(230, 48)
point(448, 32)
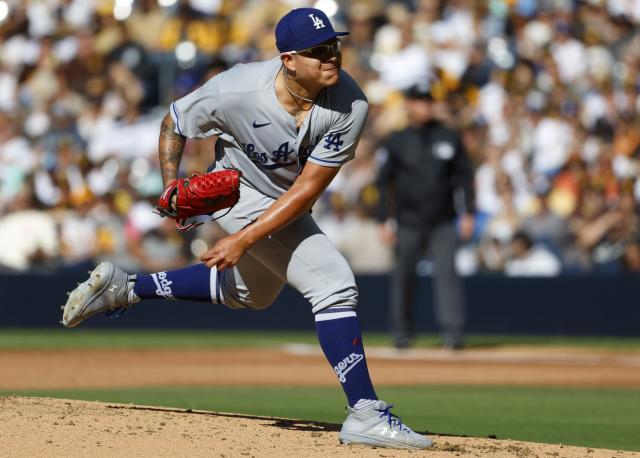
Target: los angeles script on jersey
point(284, 156)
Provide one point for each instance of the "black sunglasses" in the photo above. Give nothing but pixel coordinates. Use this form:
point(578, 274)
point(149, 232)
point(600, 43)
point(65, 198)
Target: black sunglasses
point(321, 52)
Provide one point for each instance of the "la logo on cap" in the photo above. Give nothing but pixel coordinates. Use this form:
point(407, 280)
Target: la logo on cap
point(294, 32)
point(317, 22)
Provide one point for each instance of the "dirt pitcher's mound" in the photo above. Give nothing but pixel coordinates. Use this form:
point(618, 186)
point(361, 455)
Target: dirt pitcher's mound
point(52, 427)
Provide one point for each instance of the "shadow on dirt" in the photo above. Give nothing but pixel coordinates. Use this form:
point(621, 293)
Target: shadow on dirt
point(275, 422)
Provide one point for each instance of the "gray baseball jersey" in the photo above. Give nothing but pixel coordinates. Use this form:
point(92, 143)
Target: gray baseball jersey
point(257, 136)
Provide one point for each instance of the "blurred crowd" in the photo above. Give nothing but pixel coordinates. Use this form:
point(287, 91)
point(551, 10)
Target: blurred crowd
point(545, 93)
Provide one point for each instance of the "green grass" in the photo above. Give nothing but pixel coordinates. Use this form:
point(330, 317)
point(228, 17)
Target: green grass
point(77, 338)
point(594, 418)
point(82, 338)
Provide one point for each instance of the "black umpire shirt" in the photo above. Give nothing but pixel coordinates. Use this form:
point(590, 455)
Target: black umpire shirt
point(427, 176)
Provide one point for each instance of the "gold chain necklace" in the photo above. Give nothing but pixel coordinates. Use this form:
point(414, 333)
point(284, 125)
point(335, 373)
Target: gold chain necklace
point(295, 96)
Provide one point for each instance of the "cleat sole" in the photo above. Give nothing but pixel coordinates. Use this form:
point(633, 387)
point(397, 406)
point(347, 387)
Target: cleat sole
point(87, 290)
point(357, 439)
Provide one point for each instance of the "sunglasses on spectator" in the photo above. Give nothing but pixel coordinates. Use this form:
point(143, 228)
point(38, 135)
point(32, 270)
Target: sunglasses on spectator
point(320, 52)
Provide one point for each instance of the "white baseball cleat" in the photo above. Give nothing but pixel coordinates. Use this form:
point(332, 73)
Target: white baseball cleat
point(377, 426)
point(107, 289)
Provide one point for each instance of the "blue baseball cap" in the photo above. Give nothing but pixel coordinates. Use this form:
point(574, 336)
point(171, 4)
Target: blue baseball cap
point(303, 28)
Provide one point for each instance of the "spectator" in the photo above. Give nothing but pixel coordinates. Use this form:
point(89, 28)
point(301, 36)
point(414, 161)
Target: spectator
point(528, 260)
point(547, 228)
point(27, 235)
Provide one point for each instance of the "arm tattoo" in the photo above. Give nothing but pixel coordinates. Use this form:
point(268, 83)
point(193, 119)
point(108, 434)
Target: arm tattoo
point(170, 150)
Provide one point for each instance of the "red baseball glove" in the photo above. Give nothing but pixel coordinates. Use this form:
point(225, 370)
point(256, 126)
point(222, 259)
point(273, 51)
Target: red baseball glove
point(200, 195)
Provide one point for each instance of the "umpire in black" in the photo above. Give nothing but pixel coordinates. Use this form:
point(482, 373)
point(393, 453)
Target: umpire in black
point(427, 182)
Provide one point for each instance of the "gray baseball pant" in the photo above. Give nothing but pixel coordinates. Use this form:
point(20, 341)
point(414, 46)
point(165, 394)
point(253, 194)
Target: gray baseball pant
point(300, 254)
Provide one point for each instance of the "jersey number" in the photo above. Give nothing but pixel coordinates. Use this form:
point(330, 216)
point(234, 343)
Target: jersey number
point(333, 141)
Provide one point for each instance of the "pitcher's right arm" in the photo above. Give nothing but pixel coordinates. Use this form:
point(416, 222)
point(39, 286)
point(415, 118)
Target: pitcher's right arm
point(171, 145)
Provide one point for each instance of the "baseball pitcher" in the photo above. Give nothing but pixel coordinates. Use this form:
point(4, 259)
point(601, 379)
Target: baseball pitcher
point(284, 128)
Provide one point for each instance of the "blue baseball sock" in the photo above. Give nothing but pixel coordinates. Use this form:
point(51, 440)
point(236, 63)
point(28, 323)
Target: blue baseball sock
point(191, 283)
point(339, 335)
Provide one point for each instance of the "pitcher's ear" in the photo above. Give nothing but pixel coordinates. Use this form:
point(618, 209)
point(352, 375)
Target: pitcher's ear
point(288, 64)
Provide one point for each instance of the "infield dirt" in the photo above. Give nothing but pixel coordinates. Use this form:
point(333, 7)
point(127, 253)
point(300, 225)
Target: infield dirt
point(43, 427)
point(304, 365)
point(62, 428)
